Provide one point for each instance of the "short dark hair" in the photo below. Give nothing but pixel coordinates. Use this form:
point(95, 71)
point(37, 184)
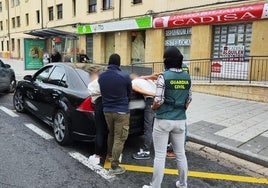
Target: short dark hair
point(114, 60)
point(173, 58)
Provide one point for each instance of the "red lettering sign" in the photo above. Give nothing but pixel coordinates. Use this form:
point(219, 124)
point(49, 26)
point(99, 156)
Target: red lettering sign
point(236, 14)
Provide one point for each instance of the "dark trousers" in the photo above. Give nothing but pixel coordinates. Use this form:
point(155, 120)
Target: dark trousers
point(101, 129)
point(148, 124)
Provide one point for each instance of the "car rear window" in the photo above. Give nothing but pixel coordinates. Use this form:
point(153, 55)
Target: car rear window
point(84, 76)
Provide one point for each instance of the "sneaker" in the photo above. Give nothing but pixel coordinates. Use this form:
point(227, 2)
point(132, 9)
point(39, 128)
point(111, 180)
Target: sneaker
point(147, 186)
point(178, 185)
point(117, 170)
point(170, 155)
point(94, 159)
point(141, 155)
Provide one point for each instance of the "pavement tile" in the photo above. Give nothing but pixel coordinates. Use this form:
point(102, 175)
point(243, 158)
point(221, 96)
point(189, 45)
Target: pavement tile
point(255, 145)
point(230, 142)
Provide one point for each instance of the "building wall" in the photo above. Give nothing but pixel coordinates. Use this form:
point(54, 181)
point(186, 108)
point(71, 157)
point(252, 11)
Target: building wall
point(154, 47)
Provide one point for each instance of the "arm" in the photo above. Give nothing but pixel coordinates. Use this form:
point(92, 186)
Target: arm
point(141, 91)
point(150, 77)
point(160, 92)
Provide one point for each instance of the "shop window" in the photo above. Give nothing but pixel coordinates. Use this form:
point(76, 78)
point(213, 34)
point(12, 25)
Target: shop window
point(109, 45)
point(59, 11)
point(27, 19)
point(2, 45)
point(38, 16)
point(107, 4)
point(18, 21)
point(50, 13)
point(236, 36)
point(13, 23)
point(137, 46)
point(89, 47)
point(231, 51)
point(181, 38)
point(136, 1)
point(92, 6)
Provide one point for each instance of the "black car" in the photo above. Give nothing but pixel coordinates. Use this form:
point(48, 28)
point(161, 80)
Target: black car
point(7, 78)
point(58, 95)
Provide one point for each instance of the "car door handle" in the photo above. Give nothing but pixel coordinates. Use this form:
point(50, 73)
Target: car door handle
point(55, 95)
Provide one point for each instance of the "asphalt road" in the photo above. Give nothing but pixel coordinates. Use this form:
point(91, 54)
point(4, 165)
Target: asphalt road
point(30, 157)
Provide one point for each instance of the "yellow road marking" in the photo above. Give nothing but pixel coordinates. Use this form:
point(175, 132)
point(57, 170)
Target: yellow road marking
point(207, 175)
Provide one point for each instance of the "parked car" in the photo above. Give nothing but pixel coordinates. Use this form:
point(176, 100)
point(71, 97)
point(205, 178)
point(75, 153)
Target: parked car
point(7, 78)
point(58, 95)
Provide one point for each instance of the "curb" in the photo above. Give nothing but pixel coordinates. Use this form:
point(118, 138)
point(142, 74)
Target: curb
point(247, 155)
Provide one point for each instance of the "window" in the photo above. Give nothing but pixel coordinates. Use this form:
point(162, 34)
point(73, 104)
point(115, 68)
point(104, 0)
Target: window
point(1, 6)
point(74, 7)
point(17, 2)
point(27, 19)
point(43, 76)
point(181, 38)
point(236, 36)
point(92, 6)
point(12, 3)
point(1, 25)
point(12, 44)
point(57, 77)
point(38, 16)
point(2, 45)
point(7, 45)
point(50, 13)
point(13, 23)
point(18, 21)
point(59, 10)
point(137, 1)
point(107, 4)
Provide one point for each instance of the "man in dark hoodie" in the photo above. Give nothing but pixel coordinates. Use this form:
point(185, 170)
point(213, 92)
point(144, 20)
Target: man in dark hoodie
point(115, 87)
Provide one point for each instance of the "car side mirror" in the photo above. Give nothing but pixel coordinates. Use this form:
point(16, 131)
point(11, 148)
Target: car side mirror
point(28, 77)
point(7, 66)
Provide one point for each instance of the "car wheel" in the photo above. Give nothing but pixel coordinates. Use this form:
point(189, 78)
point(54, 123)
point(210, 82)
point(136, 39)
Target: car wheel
point(18, 102)
point(61, 126)
point(12, 85)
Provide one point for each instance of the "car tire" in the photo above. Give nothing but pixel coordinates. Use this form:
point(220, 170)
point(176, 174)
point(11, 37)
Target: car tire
point(12, 85)
point(18, 102)
point(61, 128)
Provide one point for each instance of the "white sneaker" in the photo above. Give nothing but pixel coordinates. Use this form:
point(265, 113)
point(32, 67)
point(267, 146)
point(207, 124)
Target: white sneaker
point(93, 159)
point(147, 186)
point(178, 185)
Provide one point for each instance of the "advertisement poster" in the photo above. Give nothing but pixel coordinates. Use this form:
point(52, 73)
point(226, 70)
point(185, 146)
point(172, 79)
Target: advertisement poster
point(234, 66)
point(33, 53)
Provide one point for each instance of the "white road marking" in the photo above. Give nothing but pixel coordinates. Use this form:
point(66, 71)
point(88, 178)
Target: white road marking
point(38, 131)
point(9, 112)
point(94, 167)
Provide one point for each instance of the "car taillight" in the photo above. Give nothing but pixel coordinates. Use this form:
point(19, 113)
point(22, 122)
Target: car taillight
point(86, 105)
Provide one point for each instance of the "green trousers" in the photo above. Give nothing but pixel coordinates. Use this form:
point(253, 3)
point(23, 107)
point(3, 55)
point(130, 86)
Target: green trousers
point(118, 126)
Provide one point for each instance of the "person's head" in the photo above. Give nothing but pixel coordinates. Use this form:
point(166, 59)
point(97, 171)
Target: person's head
point(114, 60)
point(133, 76)
point(55, 51)
point(172, 58)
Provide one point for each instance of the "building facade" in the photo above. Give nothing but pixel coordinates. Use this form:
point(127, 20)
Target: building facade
point(139, 30)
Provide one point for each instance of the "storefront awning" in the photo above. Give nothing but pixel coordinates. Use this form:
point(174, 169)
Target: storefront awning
point(51, 33)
